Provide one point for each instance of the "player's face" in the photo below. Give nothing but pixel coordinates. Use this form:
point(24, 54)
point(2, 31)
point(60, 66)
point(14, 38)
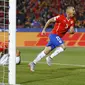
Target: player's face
point(72, 12)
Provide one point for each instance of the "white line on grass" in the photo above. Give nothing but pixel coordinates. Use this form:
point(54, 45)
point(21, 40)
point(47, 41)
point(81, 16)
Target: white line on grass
point(58, 64)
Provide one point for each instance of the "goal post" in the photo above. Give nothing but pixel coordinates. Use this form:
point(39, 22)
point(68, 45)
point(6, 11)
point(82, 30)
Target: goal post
point(12, 43)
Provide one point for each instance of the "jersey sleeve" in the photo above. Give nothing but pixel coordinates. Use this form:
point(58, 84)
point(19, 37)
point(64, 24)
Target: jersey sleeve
point(57, 18)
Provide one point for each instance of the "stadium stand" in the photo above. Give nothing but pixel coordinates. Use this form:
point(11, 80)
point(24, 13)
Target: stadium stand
point(2, 15)
point(34, 13)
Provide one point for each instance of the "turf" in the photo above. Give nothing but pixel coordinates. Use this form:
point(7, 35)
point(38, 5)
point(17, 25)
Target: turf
point(62, 72)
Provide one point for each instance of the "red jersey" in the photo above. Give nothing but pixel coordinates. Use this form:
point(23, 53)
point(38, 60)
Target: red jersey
point(62, 25)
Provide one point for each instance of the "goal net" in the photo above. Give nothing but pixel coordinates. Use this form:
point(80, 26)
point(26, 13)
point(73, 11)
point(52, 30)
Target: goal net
point(4, 7)
point(8, 36)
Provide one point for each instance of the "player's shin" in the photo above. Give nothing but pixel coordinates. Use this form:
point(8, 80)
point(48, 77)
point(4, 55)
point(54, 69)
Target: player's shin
point(39, 57)
point(56, 52)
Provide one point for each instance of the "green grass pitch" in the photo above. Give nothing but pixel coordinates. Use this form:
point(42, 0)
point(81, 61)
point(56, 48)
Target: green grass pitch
point(68, 68)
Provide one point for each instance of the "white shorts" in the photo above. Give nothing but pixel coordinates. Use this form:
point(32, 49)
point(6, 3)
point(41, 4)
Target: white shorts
point(18, 60)
point(4, 60)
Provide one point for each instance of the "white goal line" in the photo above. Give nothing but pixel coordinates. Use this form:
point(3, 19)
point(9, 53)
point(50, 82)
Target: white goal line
point(8, 84)
point(78, 65)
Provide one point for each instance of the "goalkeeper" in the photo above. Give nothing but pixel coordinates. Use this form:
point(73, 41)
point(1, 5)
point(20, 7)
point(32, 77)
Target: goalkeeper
point(4, 57)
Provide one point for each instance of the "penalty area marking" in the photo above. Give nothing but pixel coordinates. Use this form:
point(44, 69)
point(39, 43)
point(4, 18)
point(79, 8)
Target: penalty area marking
point(78, 65)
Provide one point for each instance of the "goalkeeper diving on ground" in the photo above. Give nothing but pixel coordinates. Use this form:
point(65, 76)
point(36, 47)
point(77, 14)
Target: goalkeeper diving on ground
point(4, 56)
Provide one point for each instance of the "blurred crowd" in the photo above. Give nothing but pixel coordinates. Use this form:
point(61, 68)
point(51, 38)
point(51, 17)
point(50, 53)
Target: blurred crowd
point(35, 13)
point(4, 7)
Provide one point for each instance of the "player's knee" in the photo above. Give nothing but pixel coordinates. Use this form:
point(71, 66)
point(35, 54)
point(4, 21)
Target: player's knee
point(63, 46)
point(47, 50)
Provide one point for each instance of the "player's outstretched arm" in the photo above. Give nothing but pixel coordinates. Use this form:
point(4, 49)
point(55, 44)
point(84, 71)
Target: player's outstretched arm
point(47, 24)
point(71, 30)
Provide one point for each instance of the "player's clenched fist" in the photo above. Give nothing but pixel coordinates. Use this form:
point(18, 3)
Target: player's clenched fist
point(43, 32)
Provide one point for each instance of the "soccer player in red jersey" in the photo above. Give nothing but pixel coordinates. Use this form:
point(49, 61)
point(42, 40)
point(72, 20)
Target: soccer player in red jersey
point(63, 23)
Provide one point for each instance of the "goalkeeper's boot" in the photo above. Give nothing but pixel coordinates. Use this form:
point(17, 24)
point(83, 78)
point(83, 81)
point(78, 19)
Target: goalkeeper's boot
point(49, 61)
point(31, 66)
